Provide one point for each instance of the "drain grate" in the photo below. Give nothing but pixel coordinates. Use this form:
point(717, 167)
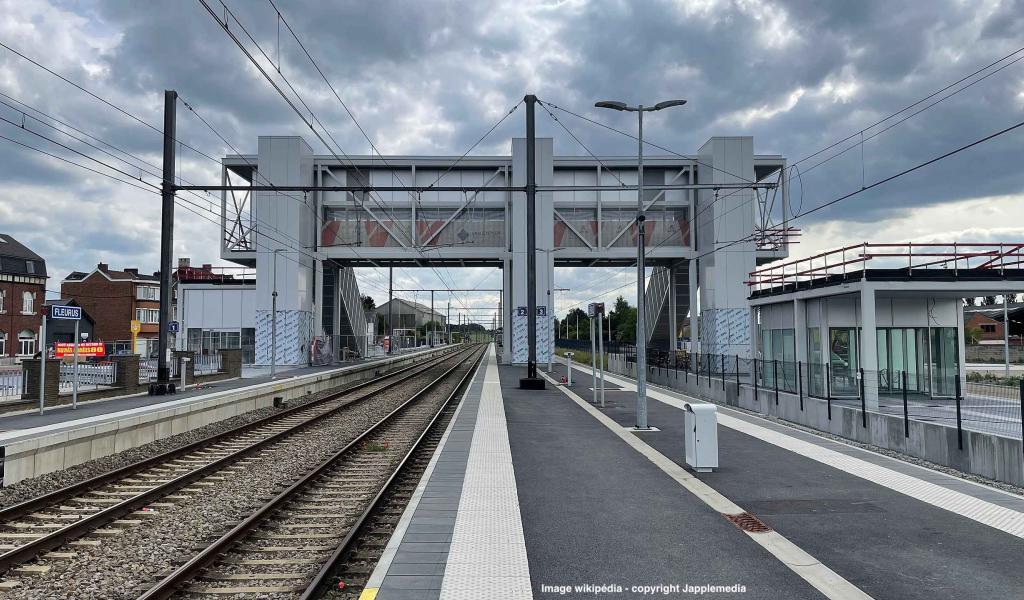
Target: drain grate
point(748, 522)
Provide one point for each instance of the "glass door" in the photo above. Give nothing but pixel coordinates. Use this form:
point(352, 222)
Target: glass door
point(844, 361)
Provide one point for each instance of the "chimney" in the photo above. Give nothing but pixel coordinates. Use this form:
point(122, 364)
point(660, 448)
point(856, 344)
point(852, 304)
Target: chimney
point(207, 267)
point(184, 261)
point(102, 266)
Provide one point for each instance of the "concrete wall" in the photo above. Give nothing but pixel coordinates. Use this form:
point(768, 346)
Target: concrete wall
point(34, 452)
point(987, 455)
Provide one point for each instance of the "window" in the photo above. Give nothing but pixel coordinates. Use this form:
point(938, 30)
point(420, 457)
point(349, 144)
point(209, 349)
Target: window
point(147, 292)
point(30, 267)
point(26, 343)
point(147, 315)
point(3, 301)
point(3, 343)
point(988, 327)
point(28, 303)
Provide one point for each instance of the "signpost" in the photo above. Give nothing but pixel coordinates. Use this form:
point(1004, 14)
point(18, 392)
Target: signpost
point(136, 327)
point(67, 313)
point(596, 309)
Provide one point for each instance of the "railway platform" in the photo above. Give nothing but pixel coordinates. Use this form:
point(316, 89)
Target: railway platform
point(542, 494)
point(32, 444)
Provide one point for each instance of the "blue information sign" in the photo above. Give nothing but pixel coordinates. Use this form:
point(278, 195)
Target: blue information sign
point(71, 313)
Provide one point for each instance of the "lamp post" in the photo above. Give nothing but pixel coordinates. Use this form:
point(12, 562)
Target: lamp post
point(273, 321)
point(641, 331)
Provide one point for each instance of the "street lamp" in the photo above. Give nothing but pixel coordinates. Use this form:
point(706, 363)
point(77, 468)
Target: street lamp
point(641, 331)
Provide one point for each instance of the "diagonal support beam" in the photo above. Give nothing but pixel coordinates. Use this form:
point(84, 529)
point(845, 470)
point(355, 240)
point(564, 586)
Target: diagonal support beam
point(469, 200)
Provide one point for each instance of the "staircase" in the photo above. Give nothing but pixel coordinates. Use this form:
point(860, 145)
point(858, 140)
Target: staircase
point(352, 324)
point(657, 303)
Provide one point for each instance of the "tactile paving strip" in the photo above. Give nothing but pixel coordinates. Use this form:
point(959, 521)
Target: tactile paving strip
point(487, 558)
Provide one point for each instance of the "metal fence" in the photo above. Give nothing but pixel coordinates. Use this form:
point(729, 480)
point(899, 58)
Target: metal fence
point(90, 375)
point(11, 383)
point(206, 364)
point(939, 396)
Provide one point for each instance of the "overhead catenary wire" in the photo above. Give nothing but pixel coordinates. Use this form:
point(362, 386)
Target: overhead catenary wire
point(312, 116)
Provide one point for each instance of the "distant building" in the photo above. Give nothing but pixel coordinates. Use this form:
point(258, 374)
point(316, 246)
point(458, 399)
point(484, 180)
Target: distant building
point(116, 298)
point(215, 310)
point(63, 330)
point(988, 320)
point(408, 314)
point(22, 292)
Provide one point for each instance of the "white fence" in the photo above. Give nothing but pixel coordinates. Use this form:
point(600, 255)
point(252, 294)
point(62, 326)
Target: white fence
point(10, 383)
point(206, 364)
point(90, 376)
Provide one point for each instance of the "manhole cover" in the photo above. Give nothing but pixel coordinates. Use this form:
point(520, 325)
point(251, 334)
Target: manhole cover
point(748, 522)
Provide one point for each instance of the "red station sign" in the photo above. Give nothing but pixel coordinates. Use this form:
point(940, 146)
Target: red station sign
point(84, 349)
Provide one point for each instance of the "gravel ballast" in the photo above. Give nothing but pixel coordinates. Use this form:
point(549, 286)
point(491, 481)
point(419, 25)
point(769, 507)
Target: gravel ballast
point(125, 564)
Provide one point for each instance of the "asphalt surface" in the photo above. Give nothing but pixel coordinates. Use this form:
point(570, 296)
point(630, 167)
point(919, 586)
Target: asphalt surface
point(884, 542)
point(597, 512)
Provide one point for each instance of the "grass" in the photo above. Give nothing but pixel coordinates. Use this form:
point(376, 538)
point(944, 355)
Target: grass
point(992, 378)
point(579, 356)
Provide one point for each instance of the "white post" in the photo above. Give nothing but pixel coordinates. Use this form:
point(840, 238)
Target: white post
point(182, 366)
point(42, 362)
point(568, 365)
point(74, 383)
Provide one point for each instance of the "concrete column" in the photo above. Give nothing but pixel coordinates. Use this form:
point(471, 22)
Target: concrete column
point(755, 334)
point(506, 312)
point(869, 346)
point(800, 329)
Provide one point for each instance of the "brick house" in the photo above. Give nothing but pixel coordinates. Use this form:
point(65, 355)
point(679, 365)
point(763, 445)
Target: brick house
point(22, 293)
point(988, 320)
point(114, 299)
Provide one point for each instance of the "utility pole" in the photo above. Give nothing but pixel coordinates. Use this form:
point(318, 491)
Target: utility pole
point(448, 322)
point(163, 383)
point(531, 381)
point(433, 322)
point(391, 310)
point(273, 320)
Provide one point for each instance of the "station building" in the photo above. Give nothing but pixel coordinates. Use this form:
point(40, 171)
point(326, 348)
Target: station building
point(874, 319)
point(22, 292)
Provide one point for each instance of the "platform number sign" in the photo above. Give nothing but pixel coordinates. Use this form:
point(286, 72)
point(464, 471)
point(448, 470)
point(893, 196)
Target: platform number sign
point(521, 311)
point(68, 313)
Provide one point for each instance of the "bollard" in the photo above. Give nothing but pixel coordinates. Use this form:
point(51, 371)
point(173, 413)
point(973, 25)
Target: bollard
point(568, 363)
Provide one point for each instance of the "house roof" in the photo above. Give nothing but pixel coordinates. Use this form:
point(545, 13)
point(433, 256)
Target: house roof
point(413, 305)
point(125, 275)
point(993, 311)
point(18, 259)
point(67, 302)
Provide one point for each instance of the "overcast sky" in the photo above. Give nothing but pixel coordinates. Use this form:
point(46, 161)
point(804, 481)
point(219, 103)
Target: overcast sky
point(431, 77)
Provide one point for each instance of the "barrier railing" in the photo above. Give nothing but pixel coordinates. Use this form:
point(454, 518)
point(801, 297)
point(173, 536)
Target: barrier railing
point(11, 383)
point(90, 375)
point(928, 394)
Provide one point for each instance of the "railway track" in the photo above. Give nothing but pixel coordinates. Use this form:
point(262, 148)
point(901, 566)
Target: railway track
point(292, 546)
point(103, 505)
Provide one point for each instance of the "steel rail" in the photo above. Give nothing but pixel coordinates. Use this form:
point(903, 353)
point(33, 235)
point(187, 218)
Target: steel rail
point(170, 585)
point(316, 586)
point(96, 520)
point(32, 505)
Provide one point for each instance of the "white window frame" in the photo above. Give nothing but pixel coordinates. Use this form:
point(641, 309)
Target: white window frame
point(31, 342)
point(3, 343)
point(142, 292)
point(148, 316)
point(28, 303)
point(3, 301)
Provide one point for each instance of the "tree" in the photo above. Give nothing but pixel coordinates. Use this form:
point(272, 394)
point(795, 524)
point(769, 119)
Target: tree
point(988, 300)
point(623, 321)
point(972, 335)
point(576, 318)
point(970, 301)
point(369, 303)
